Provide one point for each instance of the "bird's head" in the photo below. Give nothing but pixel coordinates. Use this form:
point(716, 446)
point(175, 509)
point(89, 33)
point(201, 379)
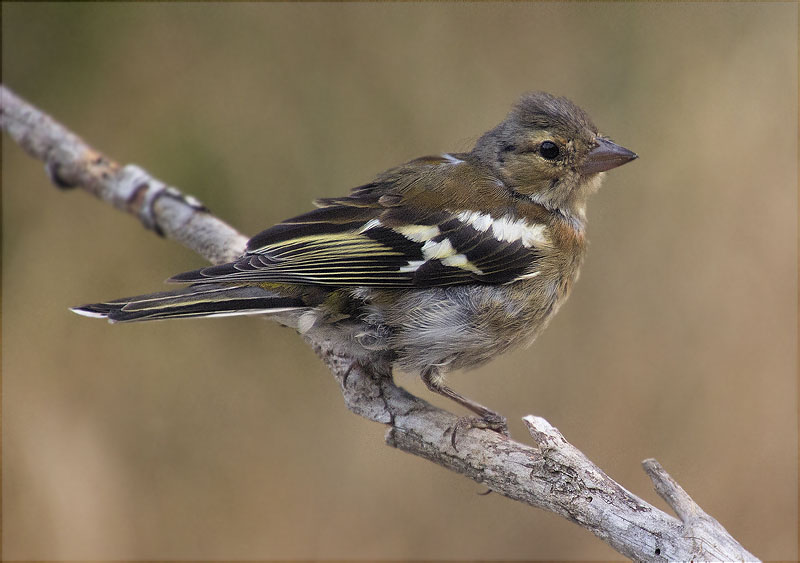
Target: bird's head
point(549, 150)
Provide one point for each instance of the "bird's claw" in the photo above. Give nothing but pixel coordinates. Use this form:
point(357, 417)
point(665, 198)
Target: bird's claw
point(495, 422)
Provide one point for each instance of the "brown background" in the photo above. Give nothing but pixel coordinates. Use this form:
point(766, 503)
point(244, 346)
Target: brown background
point(227, 438)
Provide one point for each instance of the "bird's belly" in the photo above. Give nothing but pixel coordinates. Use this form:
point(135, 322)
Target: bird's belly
point(463, 327)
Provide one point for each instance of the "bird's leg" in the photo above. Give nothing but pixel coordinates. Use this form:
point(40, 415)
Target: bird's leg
point(488, 418)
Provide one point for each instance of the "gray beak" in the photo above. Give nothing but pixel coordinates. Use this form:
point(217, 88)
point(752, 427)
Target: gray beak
point(605, 156)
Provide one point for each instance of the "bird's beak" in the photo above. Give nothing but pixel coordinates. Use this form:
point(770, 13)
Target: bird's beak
point(605, 156)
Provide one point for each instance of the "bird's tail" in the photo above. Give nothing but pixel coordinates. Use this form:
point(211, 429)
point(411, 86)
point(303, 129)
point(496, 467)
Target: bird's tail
point(202, 300)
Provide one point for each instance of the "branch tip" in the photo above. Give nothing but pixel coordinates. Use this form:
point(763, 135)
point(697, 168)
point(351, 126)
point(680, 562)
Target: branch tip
point(672, 493)
point(544, 433)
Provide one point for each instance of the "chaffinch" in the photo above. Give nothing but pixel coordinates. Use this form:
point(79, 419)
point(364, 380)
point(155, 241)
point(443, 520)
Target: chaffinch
point(439, 264)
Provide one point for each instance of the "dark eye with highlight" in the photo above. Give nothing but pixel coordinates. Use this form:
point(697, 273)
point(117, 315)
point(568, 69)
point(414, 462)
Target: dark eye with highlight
point(549, 150)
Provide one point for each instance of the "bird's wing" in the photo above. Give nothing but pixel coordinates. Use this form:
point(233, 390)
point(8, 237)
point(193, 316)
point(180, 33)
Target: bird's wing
point(383, 236)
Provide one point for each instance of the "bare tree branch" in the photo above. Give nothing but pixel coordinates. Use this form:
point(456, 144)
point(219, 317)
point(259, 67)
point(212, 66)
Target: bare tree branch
point(70, 162)
point(556, 476)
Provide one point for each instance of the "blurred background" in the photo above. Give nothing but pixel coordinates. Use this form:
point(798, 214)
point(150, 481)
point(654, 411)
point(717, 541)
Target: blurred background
point(227, 438)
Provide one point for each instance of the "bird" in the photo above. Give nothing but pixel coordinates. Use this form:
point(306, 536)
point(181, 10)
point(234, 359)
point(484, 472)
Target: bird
point(439, 264)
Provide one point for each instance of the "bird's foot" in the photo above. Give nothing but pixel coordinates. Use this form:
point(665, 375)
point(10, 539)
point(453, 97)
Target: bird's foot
point(489, 421)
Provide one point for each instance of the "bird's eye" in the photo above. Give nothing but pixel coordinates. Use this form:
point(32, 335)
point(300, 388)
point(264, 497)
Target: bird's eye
point(549, 150)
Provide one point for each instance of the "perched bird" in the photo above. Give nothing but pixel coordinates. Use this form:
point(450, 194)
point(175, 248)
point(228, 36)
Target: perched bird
point(439, 264)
